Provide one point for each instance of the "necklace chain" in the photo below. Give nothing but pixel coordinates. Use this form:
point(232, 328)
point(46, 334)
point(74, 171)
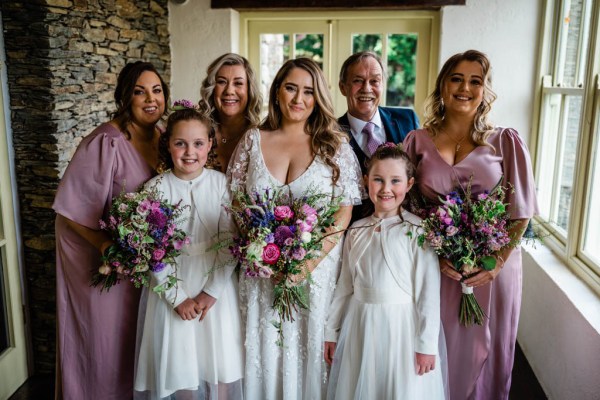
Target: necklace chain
point(458, 142)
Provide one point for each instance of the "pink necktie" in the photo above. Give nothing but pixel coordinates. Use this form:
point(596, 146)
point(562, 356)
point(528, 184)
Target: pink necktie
point(372, 142)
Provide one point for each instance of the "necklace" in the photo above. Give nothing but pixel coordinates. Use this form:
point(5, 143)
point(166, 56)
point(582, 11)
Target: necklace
point(458, 142)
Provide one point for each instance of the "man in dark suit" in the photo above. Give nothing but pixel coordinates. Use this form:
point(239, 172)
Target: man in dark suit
point(362, 82)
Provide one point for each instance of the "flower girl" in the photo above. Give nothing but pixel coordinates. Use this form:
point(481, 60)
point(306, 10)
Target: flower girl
point(190, 344)
point(385, 315)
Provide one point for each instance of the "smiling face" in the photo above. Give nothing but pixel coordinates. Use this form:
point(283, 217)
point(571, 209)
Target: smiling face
point(388, 185)
point(463, 89)
point(296, 96)
point(363, 88)
point(231, 91)
point(148, 100)
point(189, 145)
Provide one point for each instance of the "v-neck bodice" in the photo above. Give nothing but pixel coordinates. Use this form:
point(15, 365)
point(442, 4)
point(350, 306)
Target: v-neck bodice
point(248, 172)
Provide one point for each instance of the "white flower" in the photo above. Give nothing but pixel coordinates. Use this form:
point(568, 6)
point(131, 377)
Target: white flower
point(306, 237)
point(254, 251)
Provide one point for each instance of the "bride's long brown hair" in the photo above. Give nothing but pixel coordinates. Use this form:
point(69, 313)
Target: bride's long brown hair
point(322, 126)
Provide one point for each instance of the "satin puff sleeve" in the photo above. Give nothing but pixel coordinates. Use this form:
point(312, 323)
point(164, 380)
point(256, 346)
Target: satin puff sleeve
point(86, 189)
point(350, 184)
point(518, 174)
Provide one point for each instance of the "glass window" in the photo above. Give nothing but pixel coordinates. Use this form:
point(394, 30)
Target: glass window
point(399, 59)
point(567, 160)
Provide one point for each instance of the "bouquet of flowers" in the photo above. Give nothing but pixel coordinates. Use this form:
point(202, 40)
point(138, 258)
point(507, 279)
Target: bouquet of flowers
point(146, 238)
point(279, 234)
point(468, 232)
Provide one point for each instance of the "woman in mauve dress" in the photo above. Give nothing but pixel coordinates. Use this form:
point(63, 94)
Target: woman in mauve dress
point(458, 145)
point(96, 331)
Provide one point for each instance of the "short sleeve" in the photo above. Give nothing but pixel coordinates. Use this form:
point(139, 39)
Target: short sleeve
point(237, 170)
point(86, 187)
point(350, 184)
point(518, 174)
point(408, 145)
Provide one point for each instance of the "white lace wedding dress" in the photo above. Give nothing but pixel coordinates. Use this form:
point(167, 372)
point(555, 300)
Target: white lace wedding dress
point(297, 369)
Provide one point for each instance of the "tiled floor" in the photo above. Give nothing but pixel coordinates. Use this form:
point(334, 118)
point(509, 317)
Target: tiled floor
point(524, 384)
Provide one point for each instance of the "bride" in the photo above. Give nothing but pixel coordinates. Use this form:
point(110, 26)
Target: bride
point(298, 147)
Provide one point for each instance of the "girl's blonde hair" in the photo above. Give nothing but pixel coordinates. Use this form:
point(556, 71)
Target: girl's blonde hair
point(252, 112)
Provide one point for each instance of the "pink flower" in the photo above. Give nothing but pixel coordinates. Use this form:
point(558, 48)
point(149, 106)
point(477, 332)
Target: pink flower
point(264, 272)
point(178, 244)
point(122, 207)
point(143, 208)
point(482, 196)
point(436, 242)
point(451, 230)
point(158, 254)
point(283, 212)
point(171, 229)
point(304, 226)
point(271, 253)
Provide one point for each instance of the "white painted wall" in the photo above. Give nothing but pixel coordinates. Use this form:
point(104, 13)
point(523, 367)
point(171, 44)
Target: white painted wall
point(507, 31)
point(198, 36)
point(560, 328)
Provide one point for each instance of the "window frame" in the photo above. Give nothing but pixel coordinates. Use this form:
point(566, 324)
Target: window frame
point(570, 247)
point(334, 56)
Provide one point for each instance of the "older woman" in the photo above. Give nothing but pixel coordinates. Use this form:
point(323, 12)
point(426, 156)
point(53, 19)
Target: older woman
point(96, 331)
point(298, 148)
point(231, 91)
point(458, 148)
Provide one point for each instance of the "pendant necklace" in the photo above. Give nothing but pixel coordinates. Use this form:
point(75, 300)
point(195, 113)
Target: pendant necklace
point(458, 142)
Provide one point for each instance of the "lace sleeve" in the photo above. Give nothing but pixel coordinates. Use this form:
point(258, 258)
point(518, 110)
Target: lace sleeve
point(349, 186)
point(237, 170)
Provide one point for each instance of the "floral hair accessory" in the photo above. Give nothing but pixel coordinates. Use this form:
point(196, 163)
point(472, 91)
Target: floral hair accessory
point(390, 145)
point(184, 104)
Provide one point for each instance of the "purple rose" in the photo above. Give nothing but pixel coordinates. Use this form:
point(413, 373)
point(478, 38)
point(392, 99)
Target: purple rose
point(281, 233)
point(299, 253)
point(283, 212)
point(271, 253)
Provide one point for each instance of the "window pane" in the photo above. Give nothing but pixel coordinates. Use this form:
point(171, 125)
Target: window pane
point(401, 65)
point(367, 42)
point(567, 157)
point(592, 230)
point(560, 134)
point(572, 43)
point(274, 51)
point(310, 45)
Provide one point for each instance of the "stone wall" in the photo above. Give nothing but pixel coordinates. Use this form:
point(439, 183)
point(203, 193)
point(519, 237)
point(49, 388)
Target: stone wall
point(63, 58)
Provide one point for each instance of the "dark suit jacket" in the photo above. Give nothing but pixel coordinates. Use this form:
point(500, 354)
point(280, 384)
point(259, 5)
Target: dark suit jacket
point(397, 122)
